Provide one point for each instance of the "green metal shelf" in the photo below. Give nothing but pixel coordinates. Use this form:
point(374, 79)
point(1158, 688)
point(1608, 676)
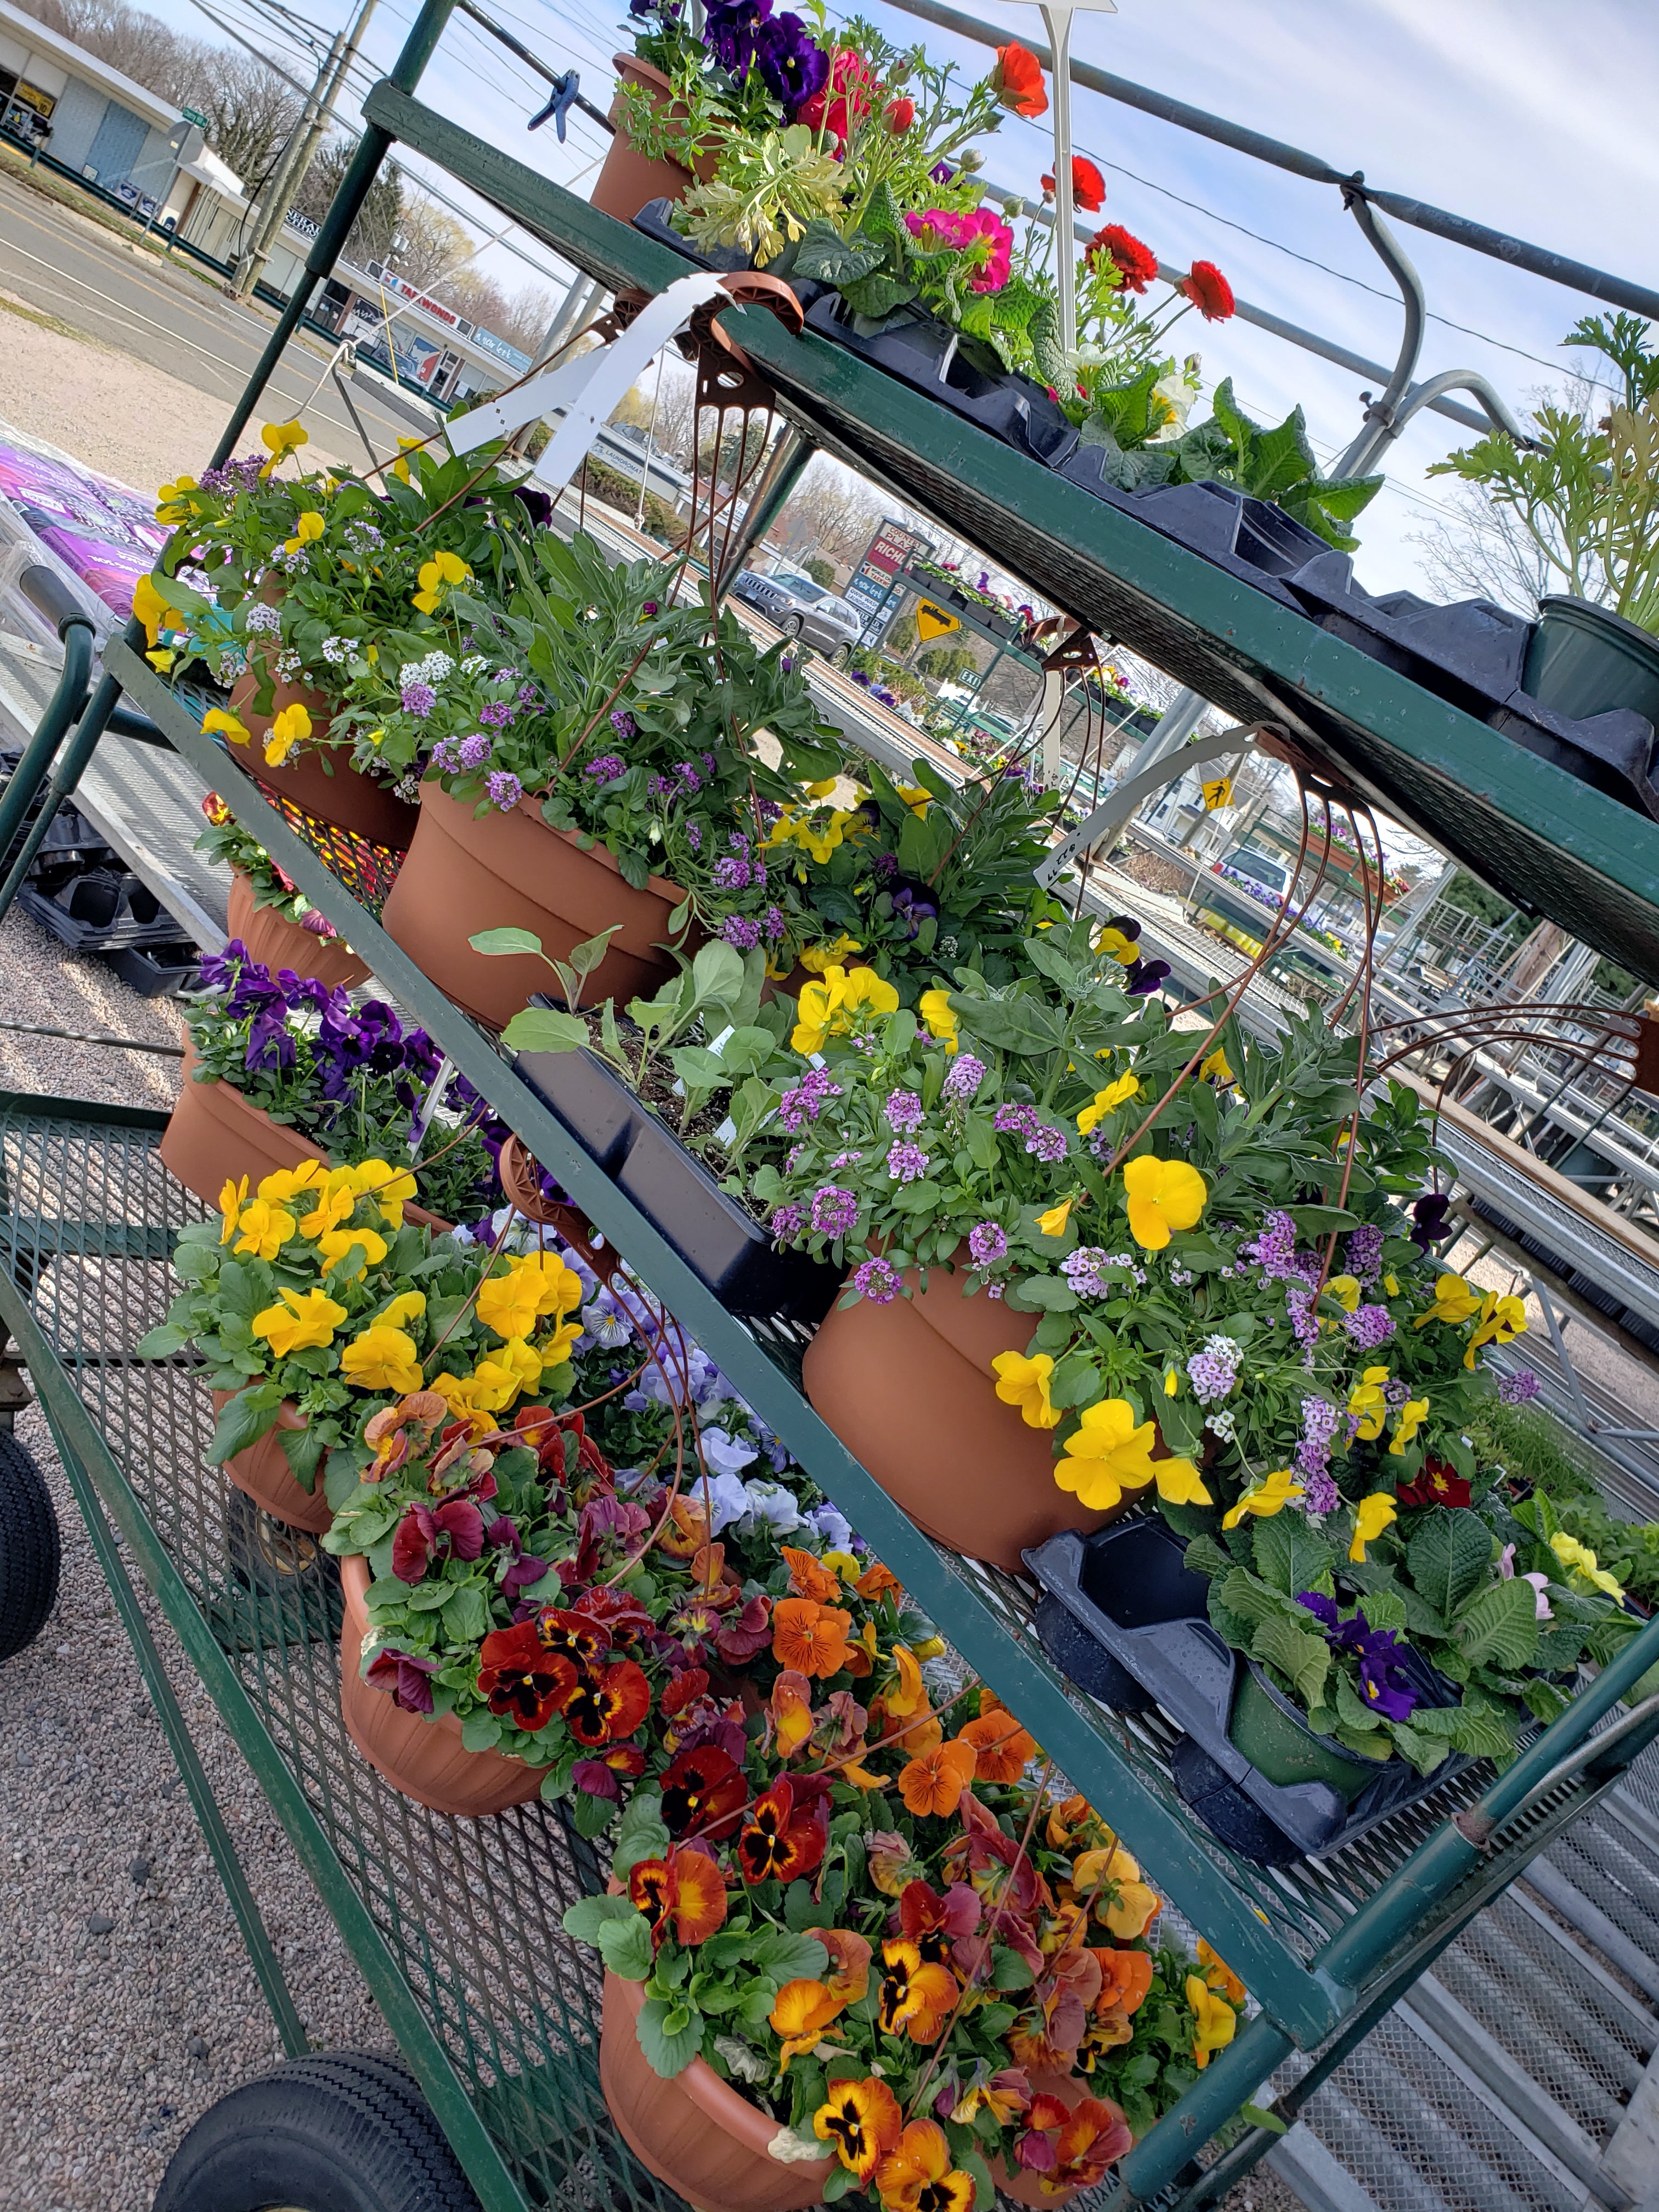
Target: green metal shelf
point(1320, 1945)
point(1535, 833)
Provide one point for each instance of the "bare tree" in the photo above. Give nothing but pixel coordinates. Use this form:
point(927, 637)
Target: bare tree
point(252, 114)
point(1484, 552)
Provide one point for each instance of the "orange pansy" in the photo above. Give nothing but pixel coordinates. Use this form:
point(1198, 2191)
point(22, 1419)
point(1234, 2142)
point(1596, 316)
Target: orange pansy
point(807, 1577)
point(1002, 1747)
point(809, 1637)
point(934, 1781)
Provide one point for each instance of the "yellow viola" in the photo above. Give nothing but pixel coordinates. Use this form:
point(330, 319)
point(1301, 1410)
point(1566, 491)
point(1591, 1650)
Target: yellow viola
point(405, 447)
point(302, 1321)
point(331, 1209)
point(1164, 1195)
point(1121, 1900)
point(1213, 1068)
point(280, 437)
point(152, 610)
point(1371, 1516)
point(553, 1351)
point(1266, 1497)
point(1107, 1101)
point(388, 1187)
point(1053, 1223)
point(174, 505)
point(382, 1358)
point(1213, 2021)
point(438, 575)
point(307, 529)
point(218, 722)
point(815, 1009)
point(815, 958)
point(1024, 1382)
point(513, 1368)
point(232, 1199)
point(938, 1019)
point(263, 1229)
point(291, 727)
point(914, 796)
point(1455, 1302)
point(1584, 1570)
point(1412, 1414)
point(1109, 1453)
point(1367, 1405)
point(1501, 1319)
point(1218, 1974)
point(1345, 1289)
point(352, 1250)
point(408, 1306)
point(1116, 946)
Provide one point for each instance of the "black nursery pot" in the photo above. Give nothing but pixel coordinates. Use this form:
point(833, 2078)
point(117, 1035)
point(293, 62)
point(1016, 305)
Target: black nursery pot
point(1124, 1618)
point(729, 1253)
point(926, 353)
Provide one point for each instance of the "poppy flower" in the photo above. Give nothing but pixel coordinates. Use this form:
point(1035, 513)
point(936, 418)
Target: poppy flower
point(455, 1530)
point(807, 1578)
point(685, 1890)
point(863, 2121)
point(519, 1680)
point(1001, 1746)
point(934, 1782)
point(703, 1792)
point(404, 1678)
point(916, 1994)
point(779, 1843)
point(917, 2174)
point(1136, 265)
point(809, 1637)
point(1208, 290)
point(1088, 186)
point(899, 115)
point(605, 1704)
point(1017, 81)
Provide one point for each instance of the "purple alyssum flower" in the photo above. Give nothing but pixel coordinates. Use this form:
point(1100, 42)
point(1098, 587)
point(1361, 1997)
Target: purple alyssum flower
point(877, 1281)
point(987, 1245)
point(904, 1109)
point(834, 1210)
point(907, 1162)
point(474, 751)
point(418, 699)
point(1519, 1389)
point(1368, 1325)
point(604, 767)
point(504, 788)
point(738, 930)
point(963, 1077)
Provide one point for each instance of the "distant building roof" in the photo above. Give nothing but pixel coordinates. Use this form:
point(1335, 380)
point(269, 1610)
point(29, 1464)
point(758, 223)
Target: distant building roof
point(218, 176)
point(80, 63)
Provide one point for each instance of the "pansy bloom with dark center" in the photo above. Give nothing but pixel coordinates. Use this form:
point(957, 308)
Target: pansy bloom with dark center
point(779, 1841)
point(703, 1792)
point(519, 1680)
point(605, 1704)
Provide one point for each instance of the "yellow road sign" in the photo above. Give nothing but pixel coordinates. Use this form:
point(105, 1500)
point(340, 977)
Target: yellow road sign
point(933, 621)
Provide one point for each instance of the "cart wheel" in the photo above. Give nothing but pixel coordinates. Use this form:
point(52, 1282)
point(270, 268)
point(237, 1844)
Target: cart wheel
point(293, 1585)
point(28, 1548)
point(338, 2131)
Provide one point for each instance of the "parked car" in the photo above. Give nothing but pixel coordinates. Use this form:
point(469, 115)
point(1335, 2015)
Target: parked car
point(802, 608)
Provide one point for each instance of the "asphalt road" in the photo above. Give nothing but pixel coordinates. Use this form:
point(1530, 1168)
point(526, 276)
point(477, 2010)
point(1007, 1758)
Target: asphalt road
point(90, 279)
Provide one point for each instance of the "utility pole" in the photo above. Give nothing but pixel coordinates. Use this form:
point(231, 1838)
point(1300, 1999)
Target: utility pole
point(291, 172)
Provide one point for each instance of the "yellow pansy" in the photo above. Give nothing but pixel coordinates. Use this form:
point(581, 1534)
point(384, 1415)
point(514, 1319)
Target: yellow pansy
point(280, 437)
point(914, 796)
point(408, 1306)
point(1266, 1497)
point(308, 528)
point(439, 575)
point(506, 1302)
point(1164, 1195)
point(1412, 1414)
point(232, 1199)
point(283, 1185)
point(1370, 1517)
point(816, 1008)
point(1345, 1289)
point(1582, 1570)
point(216, 720)
point(1218, 792)
point(1213, 1068)
point(1179, 1483)
point(499, 1378)
point(352, 1250)
point(161, 659)
point(400, 466)
point(1053, 1223)
point(291, 727)
point(1108, 1102)
point(1367, 1405)
point(815, 958)
point(1213, 2021)
point(1108, 1454)
point(1116, 946)
point(1501, 1319)
point(1122, 1901)
point(1024, 1382)
point(302, 1322)
point(174, 505)
point(1455, 1302)
point(388, 1187)
point(381, 1359)
point(152, 610)
point(938, 1019)
point(263, 1229)
point(1391, 1285)
point(331, 1209)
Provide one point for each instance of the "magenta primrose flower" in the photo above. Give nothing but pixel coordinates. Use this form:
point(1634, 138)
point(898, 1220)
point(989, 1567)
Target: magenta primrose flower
point(982, 238)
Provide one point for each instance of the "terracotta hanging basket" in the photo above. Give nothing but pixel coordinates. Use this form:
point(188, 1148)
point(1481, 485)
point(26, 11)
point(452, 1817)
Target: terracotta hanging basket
point(262, 1474)
point(319, 781)
point(628, 180)
point(696, 2132)
point(424, 1757)
point(466, 873)
point(277, 942)
point(909, 1390)
point(217, 1137)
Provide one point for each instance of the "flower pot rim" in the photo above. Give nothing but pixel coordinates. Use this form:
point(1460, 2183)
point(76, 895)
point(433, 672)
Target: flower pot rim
point(1571, 611)
point(529, 806)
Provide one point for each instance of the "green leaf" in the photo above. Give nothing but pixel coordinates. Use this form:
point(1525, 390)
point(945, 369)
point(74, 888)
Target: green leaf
point(1447, 1555)
point(1206, 1557)
point(1425, 1751)
point(625, 1944)
point(842, 2182)
point(878, 295)
point(1290, 1556)
point(1304, 1659)
point(544, 1029)
point(1314, 1221)
point(1009, 1970)
point(668, 2054)
point(480, 1731)
point(1499, 1627)
point(788, 1957)
point(826, 258)
point(467, 1614)
point(588, 1916)
point(1483, 1730)
point(243, 1420)
point(1259, 2117)
point(499, 941)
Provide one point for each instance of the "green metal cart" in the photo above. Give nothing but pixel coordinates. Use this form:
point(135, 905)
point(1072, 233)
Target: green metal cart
point(456, 1925)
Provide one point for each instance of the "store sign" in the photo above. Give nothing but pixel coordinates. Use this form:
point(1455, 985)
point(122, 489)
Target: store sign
point(870, 585)
point(488, 342)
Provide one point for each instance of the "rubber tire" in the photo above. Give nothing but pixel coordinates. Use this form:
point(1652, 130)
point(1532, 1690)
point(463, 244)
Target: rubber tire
point(792, 625)
point(335, 2131)
point(29, 1552)
point(841, 657)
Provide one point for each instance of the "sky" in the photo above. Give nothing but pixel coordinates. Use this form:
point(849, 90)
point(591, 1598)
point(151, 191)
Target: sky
point(1525, 115)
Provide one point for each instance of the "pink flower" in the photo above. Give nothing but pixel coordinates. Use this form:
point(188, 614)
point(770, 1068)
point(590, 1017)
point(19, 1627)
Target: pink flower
point(981, 237)
point(1539, 1583)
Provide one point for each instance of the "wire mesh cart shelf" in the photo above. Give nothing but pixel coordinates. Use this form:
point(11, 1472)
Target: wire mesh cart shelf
point(456, 1925)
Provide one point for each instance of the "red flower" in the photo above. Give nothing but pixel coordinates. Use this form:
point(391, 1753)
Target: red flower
point(900, 114)
point(779, 1842)
point(519, 1680)
point(685, 1889)
point(605, 1704)
point(1136, 263)
point(851, 78)
point(684, 1690)
point(598, 1777)
point(1208, 290)
point(455, 1530)
point(623, 1618)
point(1438, 1485)
point(1088, 186)
point(1017, 81)
point(574, 1636)
point(703, 1792)
point(751, 1631)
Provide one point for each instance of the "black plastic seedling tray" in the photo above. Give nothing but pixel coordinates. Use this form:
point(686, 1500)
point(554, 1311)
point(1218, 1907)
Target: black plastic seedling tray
point(1124, 1618)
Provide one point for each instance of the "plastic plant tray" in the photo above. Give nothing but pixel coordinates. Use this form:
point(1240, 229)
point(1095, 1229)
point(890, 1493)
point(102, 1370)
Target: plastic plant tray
point(1124, 1620)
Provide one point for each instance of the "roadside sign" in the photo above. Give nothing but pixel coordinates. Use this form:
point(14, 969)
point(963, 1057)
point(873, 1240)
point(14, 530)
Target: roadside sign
point(933, 621)
point(194, 115)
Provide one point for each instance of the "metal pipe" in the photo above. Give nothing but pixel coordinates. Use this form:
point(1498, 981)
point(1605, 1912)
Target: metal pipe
point(1535, 260)
point(1428, 393)
point(325, 249)
point(68, 699)
point(784, 469)
point(1379, 425)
